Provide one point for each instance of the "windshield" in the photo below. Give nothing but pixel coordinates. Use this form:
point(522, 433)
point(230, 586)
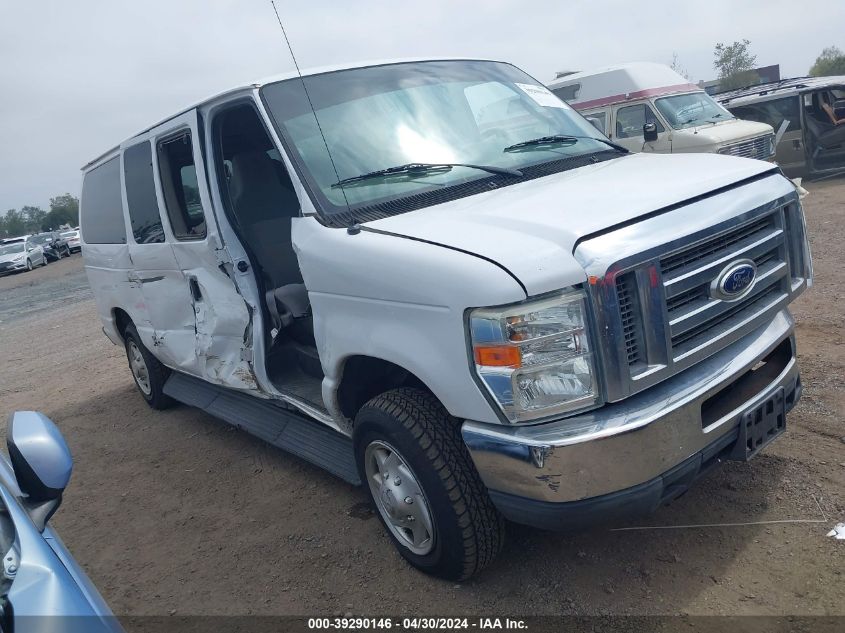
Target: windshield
point(8, 249)
point(438, 112)
point(42, 238)
point(68, 234)
point(688, 110)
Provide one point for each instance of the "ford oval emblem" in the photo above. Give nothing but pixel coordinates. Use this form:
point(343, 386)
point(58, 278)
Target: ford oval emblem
point(735, 281)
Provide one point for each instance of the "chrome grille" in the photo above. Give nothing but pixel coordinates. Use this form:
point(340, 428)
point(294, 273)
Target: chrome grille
point(759, 148)
point(696, 318)
point(650, 282)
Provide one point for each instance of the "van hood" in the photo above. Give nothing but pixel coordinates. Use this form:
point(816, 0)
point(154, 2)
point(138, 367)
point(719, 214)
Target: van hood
point(727, 132)
point(531, 228)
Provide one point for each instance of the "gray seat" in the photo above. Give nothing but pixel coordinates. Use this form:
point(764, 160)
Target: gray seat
point(264, 205)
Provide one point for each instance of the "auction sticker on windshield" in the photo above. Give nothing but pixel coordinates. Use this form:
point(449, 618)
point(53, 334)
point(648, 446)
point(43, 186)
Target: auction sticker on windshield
point(543, 96)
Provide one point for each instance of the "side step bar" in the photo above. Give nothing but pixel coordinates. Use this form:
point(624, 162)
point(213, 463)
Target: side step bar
point(270, 421)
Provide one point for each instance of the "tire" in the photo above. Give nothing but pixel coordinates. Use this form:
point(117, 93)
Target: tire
point(468, 532)
point(28, 265)
point(149, 374)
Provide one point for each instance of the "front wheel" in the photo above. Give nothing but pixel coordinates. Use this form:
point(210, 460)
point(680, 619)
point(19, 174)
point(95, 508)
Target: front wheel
point(424, 484)
point(149, 374)
point(29, 264)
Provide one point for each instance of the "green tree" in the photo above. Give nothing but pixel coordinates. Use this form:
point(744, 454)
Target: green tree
point(63, 210)
point(14, 223)
point(735, 64)
point(830, 62)
point(675, 65)
point(34, 217)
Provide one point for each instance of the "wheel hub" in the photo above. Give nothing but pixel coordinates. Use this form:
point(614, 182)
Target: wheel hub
point(139, 368)
point(399, 497)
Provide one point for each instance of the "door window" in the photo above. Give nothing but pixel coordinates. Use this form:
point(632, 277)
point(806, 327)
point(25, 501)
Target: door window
point(179, 185)
point(101, 207)
point(141, 198)
point(773, 112)
point(631, 119)
point(598, 120)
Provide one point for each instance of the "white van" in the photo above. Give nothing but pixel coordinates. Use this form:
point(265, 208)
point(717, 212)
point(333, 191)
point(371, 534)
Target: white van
point(649, 107)
point(444, 284)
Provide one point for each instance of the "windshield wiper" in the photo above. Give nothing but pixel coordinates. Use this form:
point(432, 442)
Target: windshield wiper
point(558, 139)
point(423, 169)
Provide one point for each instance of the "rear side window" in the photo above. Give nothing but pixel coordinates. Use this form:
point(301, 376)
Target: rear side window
point(141, 194)
point(179, 185)
point(101, 206)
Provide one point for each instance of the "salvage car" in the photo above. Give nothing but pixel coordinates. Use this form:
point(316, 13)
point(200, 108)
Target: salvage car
point(42, 588)
point(812, 111)
point(477, 313)
point(72, 238)
point(54, 245)
point(20, 254)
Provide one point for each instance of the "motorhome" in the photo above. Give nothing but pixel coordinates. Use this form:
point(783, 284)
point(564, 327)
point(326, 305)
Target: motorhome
point(812, 111)
point(650, 108)
point(435, 279)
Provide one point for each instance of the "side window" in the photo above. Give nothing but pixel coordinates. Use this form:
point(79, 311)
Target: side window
point(598, 120)
point(179, 185)
point(631, 119)
point(772, 112)
point(568, 93)
point(141, 194)
point(101, 206)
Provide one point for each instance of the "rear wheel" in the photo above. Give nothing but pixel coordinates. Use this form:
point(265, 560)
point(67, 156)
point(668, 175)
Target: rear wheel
point(424, 485)
point(149, 374)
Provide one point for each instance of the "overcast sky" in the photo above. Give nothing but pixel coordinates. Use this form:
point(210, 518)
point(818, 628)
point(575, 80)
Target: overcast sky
point(77, 77)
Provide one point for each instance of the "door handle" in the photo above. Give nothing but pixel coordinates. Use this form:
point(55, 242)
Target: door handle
point(196, 293)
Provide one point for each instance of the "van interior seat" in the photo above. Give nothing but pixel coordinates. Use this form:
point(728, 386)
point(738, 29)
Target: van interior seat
point(264, 203)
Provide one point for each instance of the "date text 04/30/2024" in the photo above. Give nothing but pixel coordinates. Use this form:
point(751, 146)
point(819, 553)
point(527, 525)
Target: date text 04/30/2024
point(417, 624)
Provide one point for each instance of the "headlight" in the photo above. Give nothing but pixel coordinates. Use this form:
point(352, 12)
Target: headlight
point(535, 358)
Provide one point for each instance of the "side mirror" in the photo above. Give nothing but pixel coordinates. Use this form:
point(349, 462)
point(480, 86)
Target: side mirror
point(650, 132)
point(41, 461)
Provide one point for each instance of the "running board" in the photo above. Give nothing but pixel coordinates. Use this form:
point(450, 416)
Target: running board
point(270, 421)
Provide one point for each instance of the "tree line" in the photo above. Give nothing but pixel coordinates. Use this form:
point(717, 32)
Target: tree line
point(735, 64)
point(64, 211)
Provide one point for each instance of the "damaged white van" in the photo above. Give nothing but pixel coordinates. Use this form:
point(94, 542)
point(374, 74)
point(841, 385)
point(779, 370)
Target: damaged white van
point(436, 279)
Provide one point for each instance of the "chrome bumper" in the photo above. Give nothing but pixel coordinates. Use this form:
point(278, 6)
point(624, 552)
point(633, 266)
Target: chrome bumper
point(634, 441)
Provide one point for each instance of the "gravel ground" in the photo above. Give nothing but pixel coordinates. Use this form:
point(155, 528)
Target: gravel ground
point(176, 513)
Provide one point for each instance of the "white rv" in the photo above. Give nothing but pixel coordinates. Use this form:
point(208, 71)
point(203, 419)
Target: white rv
point(650, 108)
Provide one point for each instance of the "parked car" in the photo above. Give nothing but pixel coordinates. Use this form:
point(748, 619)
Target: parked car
point(651, 108)
point(42, 588)
point(20, 254)
point(813, 141)
point(530, 323)
point(54, 245)
point(72, 238)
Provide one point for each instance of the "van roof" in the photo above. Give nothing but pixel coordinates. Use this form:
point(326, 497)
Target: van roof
point(622, 82)
point(774, 89)
point(319, 70)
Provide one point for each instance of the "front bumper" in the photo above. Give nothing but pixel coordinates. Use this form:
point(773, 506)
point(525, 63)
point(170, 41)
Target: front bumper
point(630, 456)
point(12, 267)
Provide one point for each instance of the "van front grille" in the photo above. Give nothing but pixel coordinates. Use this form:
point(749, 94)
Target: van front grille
point(759, 148)
point(630, 315)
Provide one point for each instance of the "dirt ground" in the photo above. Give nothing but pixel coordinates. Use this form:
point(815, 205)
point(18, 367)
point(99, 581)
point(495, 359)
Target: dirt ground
point(176, 513)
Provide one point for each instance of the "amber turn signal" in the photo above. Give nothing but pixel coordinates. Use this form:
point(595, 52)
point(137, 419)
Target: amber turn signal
point(497, 356)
